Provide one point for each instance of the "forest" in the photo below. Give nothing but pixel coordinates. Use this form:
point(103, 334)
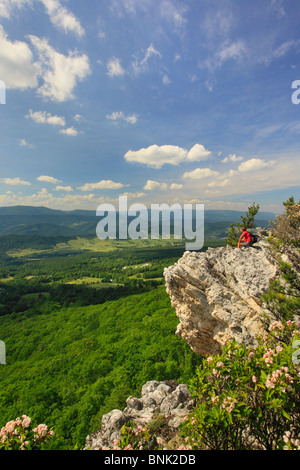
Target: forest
point(84, 327)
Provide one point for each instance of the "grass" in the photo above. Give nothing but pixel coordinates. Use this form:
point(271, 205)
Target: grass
point(95, 245)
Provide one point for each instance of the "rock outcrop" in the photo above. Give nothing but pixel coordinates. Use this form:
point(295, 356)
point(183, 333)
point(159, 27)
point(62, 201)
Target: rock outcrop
point(217, 293)
point(168, 398)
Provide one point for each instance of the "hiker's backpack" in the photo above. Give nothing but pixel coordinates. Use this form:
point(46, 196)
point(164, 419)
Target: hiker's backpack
point(254, 238)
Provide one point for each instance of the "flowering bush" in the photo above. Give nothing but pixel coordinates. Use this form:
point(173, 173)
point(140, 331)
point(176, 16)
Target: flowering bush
point(136, 438)
point(248, 398)
point(20, 435)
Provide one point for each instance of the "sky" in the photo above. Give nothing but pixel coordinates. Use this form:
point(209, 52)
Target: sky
point(163, 101)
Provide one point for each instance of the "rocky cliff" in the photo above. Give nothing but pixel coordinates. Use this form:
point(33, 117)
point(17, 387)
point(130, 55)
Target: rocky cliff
point(168, 399)
point(216, 294)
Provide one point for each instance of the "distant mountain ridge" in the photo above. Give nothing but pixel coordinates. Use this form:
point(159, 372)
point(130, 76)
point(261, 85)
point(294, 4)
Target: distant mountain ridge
point(39, 220)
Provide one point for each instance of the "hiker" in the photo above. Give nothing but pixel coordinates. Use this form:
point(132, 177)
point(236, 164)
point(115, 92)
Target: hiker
point(245, 238)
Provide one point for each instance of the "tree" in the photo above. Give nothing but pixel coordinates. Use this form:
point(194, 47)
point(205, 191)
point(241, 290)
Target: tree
point(247, 221)
point(286, 227)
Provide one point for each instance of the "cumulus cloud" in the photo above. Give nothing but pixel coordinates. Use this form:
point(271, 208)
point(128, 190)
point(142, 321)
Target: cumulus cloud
point(133, 195)
point(60, 72)
point(42, 117)
point(176, 186)
point(48, 179)
point(68, 189)
point(156, 156)
point(200, 173)
point(17, 67)
point(104, 184)
point(232, 158)
point(121, 116)
point(151, 185)
point(69, 131)
point(15, 182)
point(198, 153)
point(114, 68)
point(221, 184)
point(255, 164)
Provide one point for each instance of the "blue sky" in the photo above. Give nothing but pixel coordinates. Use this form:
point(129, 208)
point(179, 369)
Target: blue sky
point(163, 101)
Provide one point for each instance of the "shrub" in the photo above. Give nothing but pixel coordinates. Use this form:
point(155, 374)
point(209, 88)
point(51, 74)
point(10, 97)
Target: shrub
point(248, 398)
point(19, 434)
point(135, 437)
point(286, 228)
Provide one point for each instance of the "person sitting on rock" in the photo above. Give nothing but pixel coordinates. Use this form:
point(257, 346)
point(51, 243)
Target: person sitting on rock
point(245, 238)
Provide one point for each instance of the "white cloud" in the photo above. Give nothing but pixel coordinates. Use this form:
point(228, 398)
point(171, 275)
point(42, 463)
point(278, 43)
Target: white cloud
point(140, 65)
point(7, 6)
point(17, 67)
point(173, 12)
point(120, 115)
point(234, 50)
point(69, 131)
point(228, 51)
point(166, 80)
point(129, 6)
point(232, 158)
point(60, 17)
point(151, 185)
point(281, 50)
point(222, 184)
point(198, 153)
point(48, 179)
point(24, 143)
point(156, 156)
point(63, 19)
point(200, 173)
point(151, 51)
point(60, 73)
point(42, 117)
point(15, 181)
point(176, 186)
point(133, 195)
point(104, 184)
point(278, 8)
point(77, 117)
point(64, 188)
point(114, 68)
point(255, 164)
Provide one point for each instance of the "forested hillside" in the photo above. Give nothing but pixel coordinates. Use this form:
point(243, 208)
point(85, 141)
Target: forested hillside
point(84, 329)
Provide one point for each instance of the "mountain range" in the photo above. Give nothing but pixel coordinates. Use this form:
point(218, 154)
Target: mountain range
point(29, 220)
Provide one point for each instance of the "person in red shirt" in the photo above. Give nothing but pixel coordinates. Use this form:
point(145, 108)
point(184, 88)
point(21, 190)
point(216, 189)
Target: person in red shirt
point(245, 238)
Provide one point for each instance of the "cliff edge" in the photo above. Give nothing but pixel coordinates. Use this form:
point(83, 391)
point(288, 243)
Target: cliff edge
point(217, 293)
